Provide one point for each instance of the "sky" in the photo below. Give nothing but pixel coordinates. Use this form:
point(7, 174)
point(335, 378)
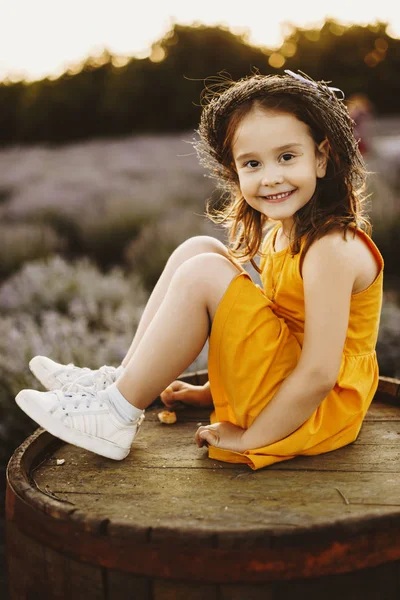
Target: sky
point(42, 38)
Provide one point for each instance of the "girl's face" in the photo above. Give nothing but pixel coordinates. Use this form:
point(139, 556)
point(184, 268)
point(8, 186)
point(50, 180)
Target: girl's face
point(277, 162)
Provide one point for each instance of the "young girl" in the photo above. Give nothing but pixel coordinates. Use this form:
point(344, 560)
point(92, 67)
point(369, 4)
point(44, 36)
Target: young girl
point(292, 367)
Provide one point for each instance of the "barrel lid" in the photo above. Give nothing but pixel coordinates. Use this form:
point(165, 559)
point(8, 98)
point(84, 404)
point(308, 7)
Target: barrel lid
point(304, 517)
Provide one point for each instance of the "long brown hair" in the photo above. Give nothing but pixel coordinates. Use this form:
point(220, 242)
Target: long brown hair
point(339, 198)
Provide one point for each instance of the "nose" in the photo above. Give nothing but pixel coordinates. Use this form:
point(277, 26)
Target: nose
point(271, 176)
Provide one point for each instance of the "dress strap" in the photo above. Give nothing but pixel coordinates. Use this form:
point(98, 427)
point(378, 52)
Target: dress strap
point(371, 244)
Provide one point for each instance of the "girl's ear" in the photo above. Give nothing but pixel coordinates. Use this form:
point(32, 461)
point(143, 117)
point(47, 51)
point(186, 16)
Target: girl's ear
point(322, 158)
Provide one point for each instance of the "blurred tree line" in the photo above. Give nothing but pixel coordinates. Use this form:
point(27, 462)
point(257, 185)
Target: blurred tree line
point(162, 92)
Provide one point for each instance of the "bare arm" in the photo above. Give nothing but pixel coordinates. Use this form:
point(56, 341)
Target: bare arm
point(329, 273)
point(297, 398)
point(207, 389)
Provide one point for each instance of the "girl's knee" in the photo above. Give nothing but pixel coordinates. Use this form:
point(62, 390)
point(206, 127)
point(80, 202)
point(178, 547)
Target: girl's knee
point(199, 244)
point(202, 243)
point(206, 267)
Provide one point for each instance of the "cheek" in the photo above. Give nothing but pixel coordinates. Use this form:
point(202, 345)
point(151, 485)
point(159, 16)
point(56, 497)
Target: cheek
point(243, 184)
point(247, 182)
point(307, 175)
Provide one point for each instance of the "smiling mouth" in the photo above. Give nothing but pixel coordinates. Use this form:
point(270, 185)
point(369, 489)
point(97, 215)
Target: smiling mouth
point(281, 196)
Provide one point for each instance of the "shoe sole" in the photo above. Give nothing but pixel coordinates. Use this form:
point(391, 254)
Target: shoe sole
point(71, 436)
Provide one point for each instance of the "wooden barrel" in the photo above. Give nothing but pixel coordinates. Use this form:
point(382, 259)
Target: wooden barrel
point(169, 523)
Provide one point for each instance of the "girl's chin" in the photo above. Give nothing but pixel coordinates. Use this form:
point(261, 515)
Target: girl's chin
point(277, 212)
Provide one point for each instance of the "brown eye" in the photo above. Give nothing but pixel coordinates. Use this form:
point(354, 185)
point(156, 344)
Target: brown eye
point(251, 163)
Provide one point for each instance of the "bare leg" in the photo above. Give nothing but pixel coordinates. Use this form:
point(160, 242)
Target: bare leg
point(179, 330)
point(192, 247)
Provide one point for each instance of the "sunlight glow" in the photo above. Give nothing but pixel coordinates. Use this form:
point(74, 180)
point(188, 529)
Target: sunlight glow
point(157, 54)
point(45, 37)
point(276, 60)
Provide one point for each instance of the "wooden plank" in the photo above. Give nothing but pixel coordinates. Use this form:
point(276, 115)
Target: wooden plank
point(388, 387)
point(377, 583)
point(379, 433)
point(37, 571)
point(164, 589)
point(360, 584)
point(263, 591)
point(179, 451)
point(126, 586)
point(219, 565)
point(379, 411)
point(371, 458)
point(186, 523)
point(180, 484)
point(185, 499)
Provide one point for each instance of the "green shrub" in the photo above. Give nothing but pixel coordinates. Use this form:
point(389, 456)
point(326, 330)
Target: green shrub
point(69, 312)
point(98, 195)
point(149, 252)
point(107, 227)
point(20, 242)
point(106, 302)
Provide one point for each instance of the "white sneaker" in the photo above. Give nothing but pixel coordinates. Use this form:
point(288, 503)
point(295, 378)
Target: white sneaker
point(53, 376)
point(84, 418)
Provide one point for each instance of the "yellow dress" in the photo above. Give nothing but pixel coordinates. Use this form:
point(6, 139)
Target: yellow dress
point(256, 343)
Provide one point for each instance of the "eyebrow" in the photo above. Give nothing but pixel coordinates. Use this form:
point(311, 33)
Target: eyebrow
point(278, 149)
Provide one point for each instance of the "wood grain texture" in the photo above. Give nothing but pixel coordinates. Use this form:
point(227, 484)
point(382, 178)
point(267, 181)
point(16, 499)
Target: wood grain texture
point(168, 516)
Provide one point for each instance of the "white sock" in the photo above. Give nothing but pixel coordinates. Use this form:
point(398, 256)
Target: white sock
point(126, 411)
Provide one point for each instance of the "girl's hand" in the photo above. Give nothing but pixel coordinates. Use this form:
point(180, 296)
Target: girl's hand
point(222, 435)
point(181, 392)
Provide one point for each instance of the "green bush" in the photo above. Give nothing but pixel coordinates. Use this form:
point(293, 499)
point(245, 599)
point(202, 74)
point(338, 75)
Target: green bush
point(20, 242)
point(79, 291)
point(97, 196)
point(149, 252)
point(69, 312)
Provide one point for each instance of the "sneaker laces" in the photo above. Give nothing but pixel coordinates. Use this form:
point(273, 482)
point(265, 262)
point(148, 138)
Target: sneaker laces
point(109, 374)
point(71, 368)
point(74, 387)
point(81, 394)
point(85, 394)
point(101, 378)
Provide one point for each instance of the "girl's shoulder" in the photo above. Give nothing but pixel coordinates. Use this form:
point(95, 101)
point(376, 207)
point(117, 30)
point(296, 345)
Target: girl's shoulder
point(359, 248)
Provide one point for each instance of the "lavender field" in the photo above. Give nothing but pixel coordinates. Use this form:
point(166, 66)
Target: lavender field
point(85, 231)
point(86, 228)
